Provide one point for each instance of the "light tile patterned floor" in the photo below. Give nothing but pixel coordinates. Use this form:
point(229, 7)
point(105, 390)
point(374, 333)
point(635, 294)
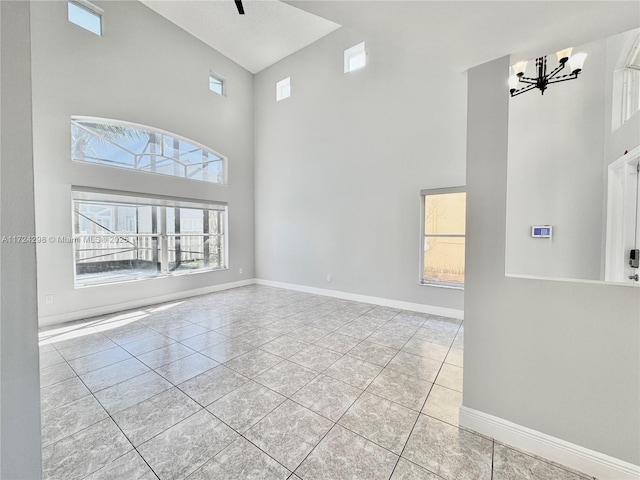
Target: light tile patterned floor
point(264, 383)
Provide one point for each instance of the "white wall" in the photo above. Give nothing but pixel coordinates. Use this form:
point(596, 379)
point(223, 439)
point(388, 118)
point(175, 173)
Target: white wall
point(558, 357)
point(558, 144)
point(19, 380)
point(144, 70)
point(620, 137)
point(340, 165)
point(555, 174)
point(626, 136)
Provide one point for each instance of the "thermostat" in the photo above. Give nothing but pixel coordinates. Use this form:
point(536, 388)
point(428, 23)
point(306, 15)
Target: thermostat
point(541, 231)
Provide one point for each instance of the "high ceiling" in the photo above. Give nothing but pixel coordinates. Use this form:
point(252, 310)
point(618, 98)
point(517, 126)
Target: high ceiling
point(268, 31)
point(460, 34)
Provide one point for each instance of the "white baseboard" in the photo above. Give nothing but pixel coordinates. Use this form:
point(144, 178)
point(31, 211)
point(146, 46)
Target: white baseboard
point(117, 307)
point(590, 462)
point(385, 302)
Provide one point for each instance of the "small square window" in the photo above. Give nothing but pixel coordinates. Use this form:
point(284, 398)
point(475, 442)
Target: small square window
point(86, 16)
point(283, 89)
point(355, 58)
point(216, 84)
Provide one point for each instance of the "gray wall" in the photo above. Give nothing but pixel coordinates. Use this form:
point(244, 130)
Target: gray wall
point(144, 70)
point(555, 174)
point(340, 165)
point(19, 384)
point(562, 358)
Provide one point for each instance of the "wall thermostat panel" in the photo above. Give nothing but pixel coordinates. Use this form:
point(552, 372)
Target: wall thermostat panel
point(541, 231)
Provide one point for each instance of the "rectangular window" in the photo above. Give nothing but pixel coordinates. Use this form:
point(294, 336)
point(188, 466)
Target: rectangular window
point(355, 58)
point(122, 238)
point(631, 83)
point(283, 89)
point(86, 16)
point(631, 88)
point(443, 237)
point(216, 84)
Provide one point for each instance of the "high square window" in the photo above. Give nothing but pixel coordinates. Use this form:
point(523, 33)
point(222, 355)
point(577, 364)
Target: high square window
point(216, 84)
point(443, 237)
point(86, 16)
point(355, 58)
point(283, 89)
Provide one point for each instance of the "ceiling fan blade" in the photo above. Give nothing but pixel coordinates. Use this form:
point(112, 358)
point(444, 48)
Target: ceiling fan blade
point(239, 7)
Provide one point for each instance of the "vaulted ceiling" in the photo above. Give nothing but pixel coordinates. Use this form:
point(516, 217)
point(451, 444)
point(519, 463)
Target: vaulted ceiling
point(268, 31)
point(460, 33)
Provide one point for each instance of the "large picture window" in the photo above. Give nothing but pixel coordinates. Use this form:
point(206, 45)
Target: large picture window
point(443, 237)
point(146, 149)
point(120, 238)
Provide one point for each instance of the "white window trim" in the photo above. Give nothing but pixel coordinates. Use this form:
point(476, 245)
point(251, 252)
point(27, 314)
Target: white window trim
point(113, 196)
point(631, 92)
point(631, 83)
point(91, 8)
point(423, 193)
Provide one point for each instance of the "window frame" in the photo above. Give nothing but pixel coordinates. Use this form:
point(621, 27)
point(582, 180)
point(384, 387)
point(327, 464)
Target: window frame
point(423, 236)
point(90, 8)
point(631, 82)
point(631, 93)
point(352, 52)
point(282, 86)
point(99, 196)
point(221, 80)
point(76, 119)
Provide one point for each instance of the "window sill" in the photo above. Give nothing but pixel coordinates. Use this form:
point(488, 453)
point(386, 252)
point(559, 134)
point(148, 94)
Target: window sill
point(442, 285)
point(151, 277)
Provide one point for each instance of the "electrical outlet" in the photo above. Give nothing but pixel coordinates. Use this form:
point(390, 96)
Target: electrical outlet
point(48, 299)
point(328, 277)
point(240, 270)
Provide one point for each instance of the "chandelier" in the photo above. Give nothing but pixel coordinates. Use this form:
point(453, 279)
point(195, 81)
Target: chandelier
point(544, 79)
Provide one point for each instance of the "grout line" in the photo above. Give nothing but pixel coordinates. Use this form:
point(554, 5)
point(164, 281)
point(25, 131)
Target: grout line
point(425, 402)
point(493, 454)
point(309, 322)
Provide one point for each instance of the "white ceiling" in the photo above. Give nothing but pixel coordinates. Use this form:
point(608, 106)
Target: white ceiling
point(460, 34)
point(268, 31)
point(463, 34)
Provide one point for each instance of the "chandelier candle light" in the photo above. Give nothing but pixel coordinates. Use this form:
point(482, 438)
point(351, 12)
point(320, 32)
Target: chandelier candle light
point(575, 61)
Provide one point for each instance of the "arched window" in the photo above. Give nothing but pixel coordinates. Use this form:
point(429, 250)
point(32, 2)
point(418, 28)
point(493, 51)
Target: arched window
point(146, 149)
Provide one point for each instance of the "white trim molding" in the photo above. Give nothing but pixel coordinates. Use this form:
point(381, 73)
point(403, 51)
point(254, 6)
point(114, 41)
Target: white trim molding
point(118, 307)
point(385, 302)
point(579, 458)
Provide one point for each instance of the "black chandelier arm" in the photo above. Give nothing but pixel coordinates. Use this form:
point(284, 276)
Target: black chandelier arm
point(556, 70)
point(529, 80)
point(522, 90)
point(564, 78)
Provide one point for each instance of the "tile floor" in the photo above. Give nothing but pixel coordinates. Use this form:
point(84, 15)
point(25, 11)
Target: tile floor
point(264, 383)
